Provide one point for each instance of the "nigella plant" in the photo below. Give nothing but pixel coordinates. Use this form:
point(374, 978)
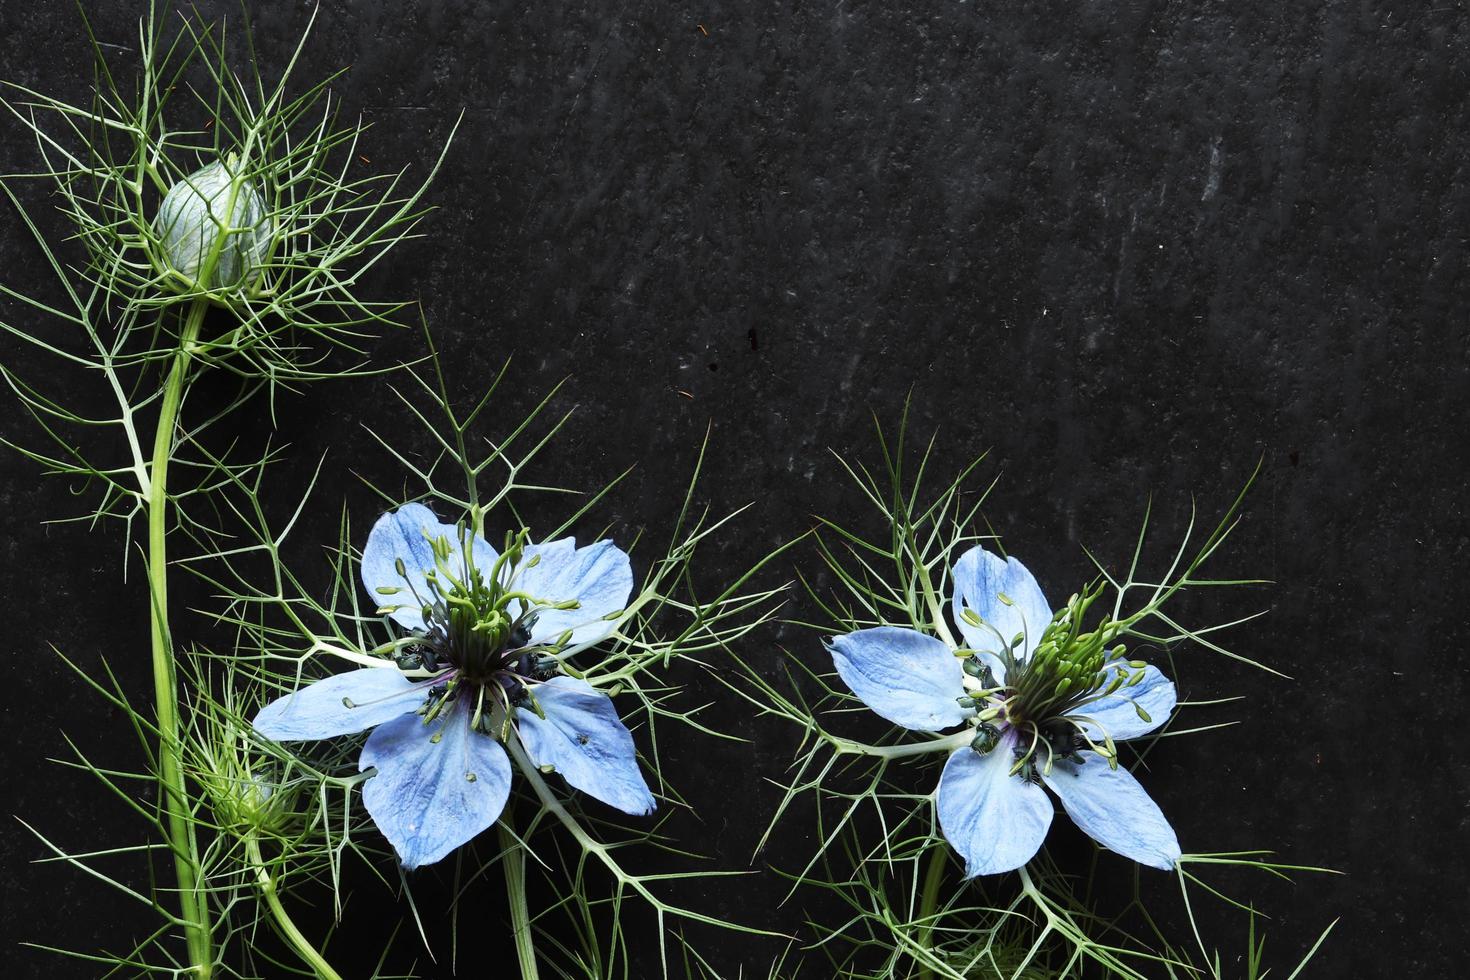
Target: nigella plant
point(492, 708)
point(1043, 701)
point(214, 221)
point(991, 701)
point(489, 633)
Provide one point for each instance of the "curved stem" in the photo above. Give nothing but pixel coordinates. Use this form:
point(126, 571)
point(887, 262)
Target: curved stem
point(927, 902)
point(513, 860)
point(303, 947)
point(194, 907)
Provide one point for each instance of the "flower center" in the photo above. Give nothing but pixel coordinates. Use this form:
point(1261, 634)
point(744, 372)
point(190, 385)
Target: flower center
point(1045, 697)
point(478, 632)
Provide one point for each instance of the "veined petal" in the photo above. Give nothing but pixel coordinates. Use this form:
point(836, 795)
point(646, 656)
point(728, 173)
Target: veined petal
point(588, 744)
point(908, 677)
point(599, 577)
point(1117, 712)
point(995, 820)
point(980, 579)
point(340, 705)
point(1113, 809)
point(429, 796)
point(404, 534)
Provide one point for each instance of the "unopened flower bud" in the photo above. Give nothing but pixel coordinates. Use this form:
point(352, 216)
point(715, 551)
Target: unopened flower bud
point(212, 211)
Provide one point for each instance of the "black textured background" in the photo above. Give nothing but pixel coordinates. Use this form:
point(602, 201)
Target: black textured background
point(1128, 247)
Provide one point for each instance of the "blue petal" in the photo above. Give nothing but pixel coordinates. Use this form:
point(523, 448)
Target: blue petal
point(599, 577)
point(430, 797)
point(995, 820)
point(1113, 809)
point(405, 534)
point(588, 744)
point(340, 705)
point(1154, 694)
point(909, 678)
point(980, 578)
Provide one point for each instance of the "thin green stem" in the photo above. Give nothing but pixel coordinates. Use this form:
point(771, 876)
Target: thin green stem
point(928, 901)
point(181, 836)
point(513, 860)
point(267, 884)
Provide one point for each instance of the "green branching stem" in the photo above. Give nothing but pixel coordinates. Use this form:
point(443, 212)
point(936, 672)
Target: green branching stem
point(309, 954)
point(182, 839)
point(513, 860)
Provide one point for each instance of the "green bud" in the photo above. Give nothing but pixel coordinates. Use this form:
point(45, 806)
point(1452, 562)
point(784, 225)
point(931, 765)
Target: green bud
point(244, 787)
point(1141, 713)
point(1063, 686)
point(192, 222)
point(970, 616)
point(388, 590)
point(399, 567)
point(1005, 599)
point(1135, 664)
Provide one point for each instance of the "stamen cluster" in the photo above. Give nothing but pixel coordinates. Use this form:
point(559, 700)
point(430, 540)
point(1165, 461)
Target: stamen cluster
point(478, 633)
point(1044, 697)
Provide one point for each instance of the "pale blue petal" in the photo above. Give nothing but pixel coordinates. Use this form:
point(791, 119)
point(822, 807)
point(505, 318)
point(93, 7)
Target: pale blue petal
point(1113, 809)
point(430, 797)
point(1117, 712)
point(599, 577)
point(588, 744)
point(995, 820)
point(980, 578)
point(909, 678)
point(405, 534)
point(340, 705)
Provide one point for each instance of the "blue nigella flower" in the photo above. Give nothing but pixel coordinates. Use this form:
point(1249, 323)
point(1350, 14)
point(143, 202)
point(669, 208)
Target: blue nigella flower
point(1047, 700)
point(492, 630)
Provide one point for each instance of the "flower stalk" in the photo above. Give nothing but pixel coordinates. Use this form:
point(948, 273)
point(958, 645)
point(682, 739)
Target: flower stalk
point(303, 947)
point(182, 838)
point(928, 902)
point(513, 860)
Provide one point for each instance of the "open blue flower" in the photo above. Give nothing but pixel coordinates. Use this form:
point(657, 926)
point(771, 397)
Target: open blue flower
point(1047, 700)
point(492, 628)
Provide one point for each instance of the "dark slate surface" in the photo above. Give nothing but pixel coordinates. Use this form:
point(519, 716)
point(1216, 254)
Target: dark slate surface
point(1128, 248)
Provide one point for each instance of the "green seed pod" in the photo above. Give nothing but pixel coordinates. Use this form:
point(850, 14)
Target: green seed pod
point(192, 223)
